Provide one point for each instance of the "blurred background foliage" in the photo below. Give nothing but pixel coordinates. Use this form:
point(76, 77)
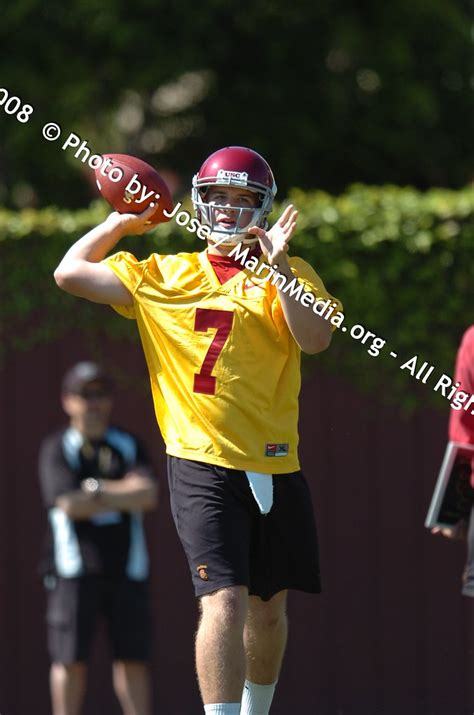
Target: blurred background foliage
point(399, 260)
point(329, 92)
point(352, 103)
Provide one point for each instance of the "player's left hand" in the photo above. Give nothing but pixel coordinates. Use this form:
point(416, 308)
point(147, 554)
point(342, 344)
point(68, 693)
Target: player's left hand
point(274, 243)
point(457, 531)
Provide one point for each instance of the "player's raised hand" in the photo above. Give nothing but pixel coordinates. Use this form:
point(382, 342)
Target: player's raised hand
point(274, 243)
point(133, 224)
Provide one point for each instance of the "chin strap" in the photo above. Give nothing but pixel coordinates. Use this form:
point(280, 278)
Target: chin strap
point(232, 239)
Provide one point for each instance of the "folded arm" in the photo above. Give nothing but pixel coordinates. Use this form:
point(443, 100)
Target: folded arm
point(136, 491)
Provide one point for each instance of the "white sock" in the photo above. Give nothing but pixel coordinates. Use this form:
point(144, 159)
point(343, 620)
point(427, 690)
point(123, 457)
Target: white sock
point(256, 699)
point(222, 709)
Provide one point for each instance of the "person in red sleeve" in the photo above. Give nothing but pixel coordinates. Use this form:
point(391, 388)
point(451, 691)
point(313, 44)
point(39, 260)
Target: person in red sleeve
point(461, 429)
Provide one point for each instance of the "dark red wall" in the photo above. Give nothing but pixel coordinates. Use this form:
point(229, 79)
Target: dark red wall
point(389, 635)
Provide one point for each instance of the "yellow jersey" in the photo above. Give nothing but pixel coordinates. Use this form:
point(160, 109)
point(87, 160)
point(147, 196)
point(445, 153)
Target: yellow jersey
point(224, 366)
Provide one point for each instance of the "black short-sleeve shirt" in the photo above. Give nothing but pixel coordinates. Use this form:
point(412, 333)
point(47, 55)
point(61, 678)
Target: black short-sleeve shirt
point(109, 543)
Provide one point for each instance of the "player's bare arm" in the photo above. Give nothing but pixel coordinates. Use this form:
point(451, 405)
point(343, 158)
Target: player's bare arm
point(311, 332)
point(80, 271)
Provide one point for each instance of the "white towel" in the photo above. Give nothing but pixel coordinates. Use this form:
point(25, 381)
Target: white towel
point(262, 490)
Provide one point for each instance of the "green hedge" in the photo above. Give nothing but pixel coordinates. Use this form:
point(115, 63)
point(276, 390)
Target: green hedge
point(399, 260)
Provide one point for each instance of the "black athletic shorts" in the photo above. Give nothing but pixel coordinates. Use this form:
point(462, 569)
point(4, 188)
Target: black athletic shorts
point(228, 542)
point(75, 605)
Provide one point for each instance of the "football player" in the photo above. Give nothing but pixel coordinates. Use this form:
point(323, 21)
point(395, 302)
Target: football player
point(223, 344)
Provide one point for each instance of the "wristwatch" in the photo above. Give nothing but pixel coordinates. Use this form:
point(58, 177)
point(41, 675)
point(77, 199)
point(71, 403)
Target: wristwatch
point(92, 486)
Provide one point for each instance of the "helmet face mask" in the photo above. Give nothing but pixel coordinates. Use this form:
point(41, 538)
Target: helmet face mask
point(240, 217)
point(236, 167)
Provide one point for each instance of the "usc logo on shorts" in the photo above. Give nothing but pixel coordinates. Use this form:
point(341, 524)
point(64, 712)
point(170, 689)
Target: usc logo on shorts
point(202, 571)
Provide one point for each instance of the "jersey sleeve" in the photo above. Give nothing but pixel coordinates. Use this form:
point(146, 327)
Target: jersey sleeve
point(310, 279)
point(56, 477)
point(305, 274)
point(461, 422)
point(130, 271)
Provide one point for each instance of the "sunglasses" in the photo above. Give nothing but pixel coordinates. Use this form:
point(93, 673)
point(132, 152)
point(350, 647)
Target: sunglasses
point(93, 394)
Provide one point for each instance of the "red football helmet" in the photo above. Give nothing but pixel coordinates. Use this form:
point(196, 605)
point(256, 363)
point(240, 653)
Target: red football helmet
point(242, 168)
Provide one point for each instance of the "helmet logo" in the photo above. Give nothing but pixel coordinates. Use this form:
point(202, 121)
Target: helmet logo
point(238, 177)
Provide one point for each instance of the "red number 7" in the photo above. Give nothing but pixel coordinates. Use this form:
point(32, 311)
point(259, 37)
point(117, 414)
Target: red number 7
point(207, 318)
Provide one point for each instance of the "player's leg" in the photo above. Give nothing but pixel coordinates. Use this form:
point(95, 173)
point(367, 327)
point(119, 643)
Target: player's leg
point(212, 510)
point(220, 655)
point(265, 637)
point(67, 684)
point(71, 617)
point(284, 555)
point(127, 613)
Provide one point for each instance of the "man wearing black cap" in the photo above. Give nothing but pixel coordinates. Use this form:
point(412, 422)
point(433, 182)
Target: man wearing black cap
point(96, 482)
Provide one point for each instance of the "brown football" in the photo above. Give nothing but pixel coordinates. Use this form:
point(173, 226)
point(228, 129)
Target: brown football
point(130, 185)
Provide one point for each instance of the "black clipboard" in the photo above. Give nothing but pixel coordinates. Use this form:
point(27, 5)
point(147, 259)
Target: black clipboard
point(453, 495)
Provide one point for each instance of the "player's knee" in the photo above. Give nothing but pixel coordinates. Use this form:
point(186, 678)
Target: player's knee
point(269, 620)
point(268, 614)
point(228, 605)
